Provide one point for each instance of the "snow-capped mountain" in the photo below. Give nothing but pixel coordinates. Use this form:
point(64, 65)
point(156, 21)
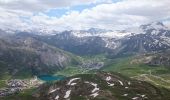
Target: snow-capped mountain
point(158, 31)
point(100, 33)
point(45, 50)
point(152, 37)
point(153, 26)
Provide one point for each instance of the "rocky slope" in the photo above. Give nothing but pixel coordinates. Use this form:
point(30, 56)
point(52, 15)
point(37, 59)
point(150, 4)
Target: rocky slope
point(148, 38)
point(152, 38)
point(22, 52)
point(30, 50)
point(101, 86)
point(154, 59)
point(78, 45)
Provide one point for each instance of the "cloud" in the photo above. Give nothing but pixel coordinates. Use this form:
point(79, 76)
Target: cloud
point(41, 5)
point(106, 14)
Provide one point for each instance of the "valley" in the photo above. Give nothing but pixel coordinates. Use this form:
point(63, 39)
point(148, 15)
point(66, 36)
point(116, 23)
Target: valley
point(84, 50)
point(95, 58)
point(158, 76)
point(99, 85)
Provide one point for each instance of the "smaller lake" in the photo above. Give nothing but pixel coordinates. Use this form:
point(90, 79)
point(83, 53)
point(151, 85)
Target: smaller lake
point(49, 78)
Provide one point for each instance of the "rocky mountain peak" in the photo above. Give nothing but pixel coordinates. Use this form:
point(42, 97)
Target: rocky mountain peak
point(97, 30)
point(159, 23)
point(153, 26)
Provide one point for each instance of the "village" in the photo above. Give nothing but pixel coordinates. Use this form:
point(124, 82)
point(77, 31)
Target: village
point(17, 85)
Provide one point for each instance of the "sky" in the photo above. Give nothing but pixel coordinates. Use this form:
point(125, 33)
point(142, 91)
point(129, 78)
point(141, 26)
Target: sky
point(59, 15)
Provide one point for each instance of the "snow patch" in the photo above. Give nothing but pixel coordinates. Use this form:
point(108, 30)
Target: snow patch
point(142, 96)
point(121, 83)
point(67, 94)
point(57, 97)
point(125, 94)
point(86, 82)
point(135, 98)
point(70, 82)
point(109, 34)
point(94, 84)
point(95, 90)
point(109, 43)
point(95, 87)
point(110, 84)
point(94, 94)
point(108, 78)
point(52, 90)
point(166, 40)
point(129, 83)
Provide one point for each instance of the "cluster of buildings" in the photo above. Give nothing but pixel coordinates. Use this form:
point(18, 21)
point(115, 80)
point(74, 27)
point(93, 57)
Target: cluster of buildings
point(17, 85)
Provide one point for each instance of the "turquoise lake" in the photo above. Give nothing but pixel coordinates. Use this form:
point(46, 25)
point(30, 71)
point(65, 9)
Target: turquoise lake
point(48, 78)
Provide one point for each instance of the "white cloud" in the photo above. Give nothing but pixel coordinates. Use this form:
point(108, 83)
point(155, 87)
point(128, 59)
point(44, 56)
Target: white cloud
point(120, 15)
point(41, 5)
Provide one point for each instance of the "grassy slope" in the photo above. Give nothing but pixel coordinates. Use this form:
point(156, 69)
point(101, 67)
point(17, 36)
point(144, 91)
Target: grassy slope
point(117, 91)
point(123, 66)
point(73, 70)
point(2, 83)
point(70, 71)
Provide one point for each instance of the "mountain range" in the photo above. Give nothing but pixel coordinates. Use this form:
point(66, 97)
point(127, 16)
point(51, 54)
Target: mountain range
point(86, 52)
point(149, 38)
point(49, 53)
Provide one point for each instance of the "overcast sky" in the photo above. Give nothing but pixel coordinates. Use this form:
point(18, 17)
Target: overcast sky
point(81, 14)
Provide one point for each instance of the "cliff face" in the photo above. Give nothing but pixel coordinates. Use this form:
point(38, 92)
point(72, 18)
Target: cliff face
point(21, 53)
